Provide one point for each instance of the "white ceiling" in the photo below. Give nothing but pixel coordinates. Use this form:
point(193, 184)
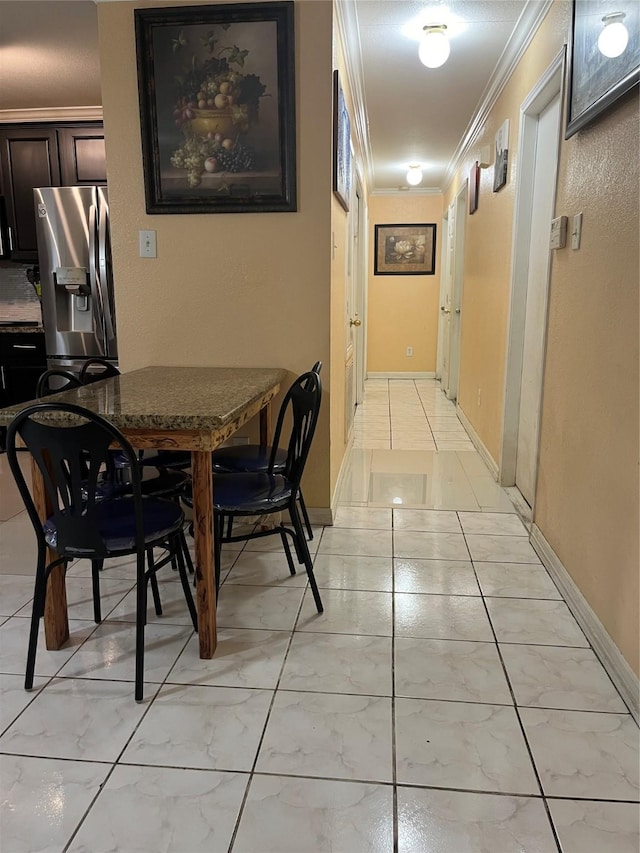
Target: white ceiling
point(49, 58)
point(418, 114)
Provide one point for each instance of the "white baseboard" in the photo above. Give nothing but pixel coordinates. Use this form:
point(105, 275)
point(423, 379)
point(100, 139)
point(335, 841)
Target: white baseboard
point(619, 671)
point(320, 516)
point(402, 375)
point(491, 464)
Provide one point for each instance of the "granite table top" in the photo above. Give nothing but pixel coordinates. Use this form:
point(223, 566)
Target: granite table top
point(172, 398)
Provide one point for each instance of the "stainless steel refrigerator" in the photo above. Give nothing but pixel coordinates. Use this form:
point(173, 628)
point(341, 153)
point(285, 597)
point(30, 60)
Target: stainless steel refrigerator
point(74, 256)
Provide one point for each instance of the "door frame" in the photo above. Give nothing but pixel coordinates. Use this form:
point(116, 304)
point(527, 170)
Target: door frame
point(548, 87)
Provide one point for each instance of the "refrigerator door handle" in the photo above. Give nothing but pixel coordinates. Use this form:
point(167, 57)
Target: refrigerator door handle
point(96, 291)
point(103, 276)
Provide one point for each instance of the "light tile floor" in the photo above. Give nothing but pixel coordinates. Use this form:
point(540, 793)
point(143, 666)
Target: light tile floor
point(446, 700)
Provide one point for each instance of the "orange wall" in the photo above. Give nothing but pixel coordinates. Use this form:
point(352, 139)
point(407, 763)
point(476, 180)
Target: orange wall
point(403, 309)
point(587, 497)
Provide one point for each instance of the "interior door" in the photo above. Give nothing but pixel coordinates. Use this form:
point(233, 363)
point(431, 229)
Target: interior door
point(353, 322)
point(445, 303)
point(544, 185)
point(457, 279)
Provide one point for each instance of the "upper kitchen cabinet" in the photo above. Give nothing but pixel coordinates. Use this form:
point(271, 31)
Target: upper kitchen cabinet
point(83, 160)
point(44, 156)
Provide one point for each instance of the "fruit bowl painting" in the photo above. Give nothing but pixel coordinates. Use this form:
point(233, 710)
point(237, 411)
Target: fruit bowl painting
point(217, 107)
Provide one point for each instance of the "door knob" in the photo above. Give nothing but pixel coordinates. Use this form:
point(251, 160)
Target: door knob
point(457, 310)
point(355, 322)
point(445, 310)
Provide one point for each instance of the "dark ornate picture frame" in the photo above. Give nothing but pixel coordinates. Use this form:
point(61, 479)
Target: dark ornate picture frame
point(217, 107)
point(595, 81)
point(405, 249)
point(474, 187)
point(341, 144)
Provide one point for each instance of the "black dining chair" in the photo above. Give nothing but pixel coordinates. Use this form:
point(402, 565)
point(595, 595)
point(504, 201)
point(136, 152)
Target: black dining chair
point(256, 458)
point(55, 380)
point(159, 481)
point(84, 523)
point(245, 493)
point(95, 369)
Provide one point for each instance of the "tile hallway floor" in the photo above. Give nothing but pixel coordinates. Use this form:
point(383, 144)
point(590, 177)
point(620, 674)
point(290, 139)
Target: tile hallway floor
point(445, 701)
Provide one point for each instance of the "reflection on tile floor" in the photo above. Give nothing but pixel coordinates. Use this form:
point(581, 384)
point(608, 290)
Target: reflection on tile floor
point(445, 700)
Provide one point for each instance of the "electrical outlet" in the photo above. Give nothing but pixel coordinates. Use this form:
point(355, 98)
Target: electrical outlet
point(147, 244)
point(409, 351)
point(479, 397)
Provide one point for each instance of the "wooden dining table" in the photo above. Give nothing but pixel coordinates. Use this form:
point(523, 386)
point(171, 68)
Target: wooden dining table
point(169, 408)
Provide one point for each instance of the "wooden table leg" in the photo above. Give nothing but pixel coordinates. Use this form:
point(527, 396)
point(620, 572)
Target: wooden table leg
point(265, 425)
point(56, 621)
point(203, 533)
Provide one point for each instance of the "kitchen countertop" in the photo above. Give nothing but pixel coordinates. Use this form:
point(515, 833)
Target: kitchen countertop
point(12, 328)
point(187, 398)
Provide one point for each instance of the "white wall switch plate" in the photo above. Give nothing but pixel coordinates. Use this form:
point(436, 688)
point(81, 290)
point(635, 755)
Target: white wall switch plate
point(558, 233)
point(576, 231)
point(147, 244)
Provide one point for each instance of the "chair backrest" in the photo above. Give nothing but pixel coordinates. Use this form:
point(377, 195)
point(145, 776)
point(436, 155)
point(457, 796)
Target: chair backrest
point(95, 369)
point(302, 402)
point(64, 381)
point(71, 455)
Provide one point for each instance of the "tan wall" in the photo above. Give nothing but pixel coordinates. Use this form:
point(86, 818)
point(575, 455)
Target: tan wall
point(402, 310)
point(587, 504)
point(225, 289)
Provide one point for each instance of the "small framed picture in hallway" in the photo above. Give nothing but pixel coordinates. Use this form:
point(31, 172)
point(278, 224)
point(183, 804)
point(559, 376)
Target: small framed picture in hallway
point(405, 249)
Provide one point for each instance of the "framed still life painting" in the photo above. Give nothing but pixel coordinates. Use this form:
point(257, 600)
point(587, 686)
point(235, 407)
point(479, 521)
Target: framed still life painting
point(217, 107)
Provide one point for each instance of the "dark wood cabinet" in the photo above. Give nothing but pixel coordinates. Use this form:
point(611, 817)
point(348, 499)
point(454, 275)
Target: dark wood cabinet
point(22, 361)
point(82, 156)
point(44, 156)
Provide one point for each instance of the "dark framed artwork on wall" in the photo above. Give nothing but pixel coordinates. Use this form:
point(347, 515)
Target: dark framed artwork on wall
point(341, 144)
point(217, 107)
point(405, 249)
point(601, 69)
point(474, 187)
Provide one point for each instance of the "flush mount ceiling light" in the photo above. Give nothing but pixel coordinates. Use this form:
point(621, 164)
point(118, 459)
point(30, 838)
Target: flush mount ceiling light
point(434, 46)
point(414, 175)
point(614, 38)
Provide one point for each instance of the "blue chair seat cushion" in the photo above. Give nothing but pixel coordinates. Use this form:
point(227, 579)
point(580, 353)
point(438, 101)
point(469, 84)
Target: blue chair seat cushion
point(116, 525)
point(247, 457)
point(248, 494)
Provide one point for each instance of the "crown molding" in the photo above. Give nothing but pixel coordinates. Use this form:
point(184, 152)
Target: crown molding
point(346, 18)
point(51, 114)
point(526, 27)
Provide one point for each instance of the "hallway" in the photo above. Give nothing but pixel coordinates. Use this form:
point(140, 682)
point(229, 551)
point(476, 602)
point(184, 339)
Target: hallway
point(446, 700)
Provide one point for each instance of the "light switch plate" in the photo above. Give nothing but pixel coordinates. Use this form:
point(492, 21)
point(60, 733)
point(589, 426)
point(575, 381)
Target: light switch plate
point(147, 244)
point(576, 231)
point(558, 233)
